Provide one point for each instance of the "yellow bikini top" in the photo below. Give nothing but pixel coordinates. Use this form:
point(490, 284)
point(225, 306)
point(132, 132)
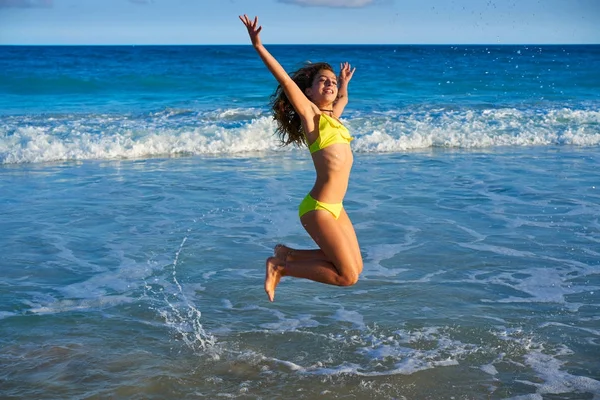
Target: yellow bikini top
point(331, 131)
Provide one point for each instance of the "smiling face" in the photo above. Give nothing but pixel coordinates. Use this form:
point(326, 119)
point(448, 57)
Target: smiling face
point(323, 90)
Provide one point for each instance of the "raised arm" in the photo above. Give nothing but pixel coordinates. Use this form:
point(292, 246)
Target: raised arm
point(303, 106)
point(345, 75)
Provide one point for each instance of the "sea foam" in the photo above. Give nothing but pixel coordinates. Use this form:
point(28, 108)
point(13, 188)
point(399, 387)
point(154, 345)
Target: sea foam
point(172, 132)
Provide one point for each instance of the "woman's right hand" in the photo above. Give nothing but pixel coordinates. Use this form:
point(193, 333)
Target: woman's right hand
point(253, 29)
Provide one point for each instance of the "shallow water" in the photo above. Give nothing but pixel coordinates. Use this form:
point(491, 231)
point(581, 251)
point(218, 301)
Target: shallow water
point(143, 278)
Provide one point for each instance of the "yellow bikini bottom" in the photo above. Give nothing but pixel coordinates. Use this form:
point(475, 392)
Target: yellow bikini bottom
point(310, 204)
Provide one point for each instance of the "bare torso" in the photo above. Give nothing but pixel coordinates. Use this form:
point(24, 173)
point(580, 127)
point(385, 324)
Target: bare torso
point(332, 165)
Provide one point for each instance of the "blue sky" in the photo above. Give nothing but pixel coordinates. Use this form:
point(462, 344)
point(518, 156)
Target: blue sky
point(300, 21)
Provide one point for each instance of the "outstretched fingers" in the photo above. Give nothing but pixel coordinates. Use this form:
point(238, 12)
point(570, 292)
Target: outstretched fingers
point(244, 18)
point(251, 25)
point(253, 28)
point(346, 71)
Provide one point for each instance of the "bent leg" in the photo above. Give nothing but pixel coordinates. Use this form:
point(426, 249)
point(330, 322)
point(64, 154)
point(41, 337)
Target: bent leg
point(315, 270)
point(337, 262)
point(285, 253)
point(340, 266)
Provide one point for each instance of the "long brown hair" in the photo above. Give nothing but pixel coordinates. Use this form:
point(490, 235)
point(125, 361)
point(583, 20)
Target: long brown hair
point(289, 126)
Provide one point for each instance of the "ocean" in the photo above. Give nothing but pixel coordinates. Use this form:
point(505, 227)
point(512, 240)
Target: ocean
point(143, 188)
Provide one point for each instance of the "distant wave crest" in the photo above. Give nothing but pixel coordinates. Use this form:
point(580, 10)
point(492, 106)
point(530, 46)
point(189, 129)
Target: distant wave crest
point(176, 132)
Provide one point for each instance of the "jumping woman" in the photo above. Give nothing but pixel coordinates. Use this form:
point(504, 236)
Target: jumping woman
point(307, 106)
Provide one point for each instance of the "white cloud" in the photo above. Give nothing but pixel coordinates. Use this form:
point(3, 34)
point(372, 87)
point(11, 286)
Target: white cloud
point(330, 3)
point(25, 3)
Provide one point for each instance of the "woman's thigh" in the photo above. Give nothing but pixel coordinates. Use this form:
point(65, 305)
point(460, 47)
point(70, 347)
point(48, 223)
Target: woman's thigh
point(348, 228)
point(332, 237)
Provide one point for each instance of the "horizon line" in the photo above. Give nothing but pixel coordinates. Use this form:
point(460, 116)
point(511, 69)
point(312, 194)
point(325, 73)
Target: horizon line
point(287, 44)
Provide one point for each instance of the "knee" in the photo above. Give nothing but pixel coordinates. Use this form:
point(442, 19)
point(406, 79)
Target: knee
point(348, 279)
point(351, 273)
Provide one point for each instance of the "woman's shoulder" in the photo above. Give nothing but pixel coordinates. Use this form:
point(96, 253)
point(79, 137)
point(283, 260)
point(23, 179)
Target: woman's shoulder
point(310, 124)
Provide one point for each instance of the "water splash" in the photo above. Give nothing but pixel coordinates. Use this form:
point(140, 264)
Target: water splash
point(180, 314)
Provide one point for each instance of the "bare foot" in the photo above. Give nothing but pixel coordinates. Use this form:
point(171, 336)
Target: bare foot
point(273, 276)
point(282, 252)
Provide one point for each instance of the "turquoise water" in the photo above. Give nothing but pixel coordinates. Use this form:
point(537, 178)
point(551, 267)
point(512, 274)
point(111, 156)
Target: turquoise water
point(142, 191)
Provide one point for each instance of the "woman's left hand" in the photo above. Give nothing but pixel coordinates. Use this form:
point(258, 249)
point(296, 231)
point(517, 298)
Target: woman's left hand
point(346, 72)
